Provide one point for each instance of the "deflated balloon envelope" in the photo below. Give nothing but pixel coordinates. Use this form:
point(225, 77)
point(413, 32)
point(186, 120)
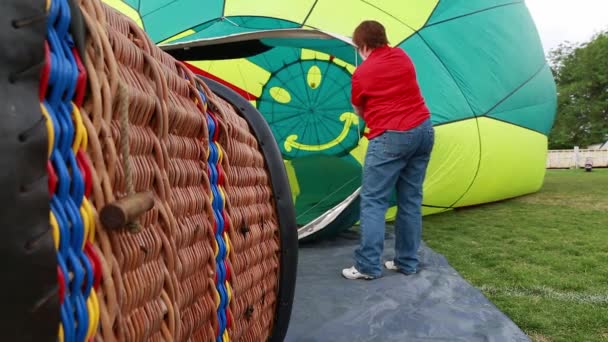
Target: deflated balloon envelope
point(480, 65)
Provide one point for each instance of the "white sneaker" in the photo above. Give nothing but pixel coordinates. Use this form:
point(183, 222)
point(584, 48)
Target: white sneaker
point(390, 265)
point(352, 273)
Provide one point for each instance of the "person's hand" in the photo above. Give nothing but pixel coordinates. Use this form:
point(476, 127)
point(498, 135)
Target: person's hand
point(358, 110)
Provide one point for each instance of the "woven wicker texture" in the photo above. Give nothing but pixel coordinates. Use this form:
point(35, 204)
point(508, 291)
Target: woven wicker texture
point(254, 233)
point(148, 131)
point(158, 282)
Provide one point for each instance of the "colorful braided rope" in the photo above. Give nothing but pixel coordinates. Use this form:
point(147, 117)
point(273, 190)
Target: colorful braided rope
point(62, 90)
point(220, 226)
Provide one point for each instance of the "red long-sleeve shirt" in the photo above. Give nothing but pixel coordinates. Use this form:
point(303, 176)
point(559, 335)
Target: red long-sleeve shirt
point(385, 87)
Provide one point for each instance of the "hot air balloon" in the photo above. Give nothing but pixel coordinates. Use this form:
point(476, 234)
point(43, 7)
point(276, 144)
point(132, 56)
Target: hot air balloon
point(480, 65)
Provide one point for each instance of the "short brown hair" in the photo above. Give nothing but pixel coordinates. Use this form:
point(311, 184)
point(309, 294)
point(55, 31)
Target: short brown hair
point(370, 33)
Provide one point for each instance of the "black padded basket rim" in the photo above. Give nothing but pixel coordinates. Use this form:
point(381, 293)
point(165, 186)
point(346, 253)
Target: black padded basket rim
point(30, 292)
point(285, 209)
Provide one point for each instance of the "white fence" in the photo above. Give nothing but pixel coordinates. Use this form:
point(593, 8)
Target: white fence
point(563, 159)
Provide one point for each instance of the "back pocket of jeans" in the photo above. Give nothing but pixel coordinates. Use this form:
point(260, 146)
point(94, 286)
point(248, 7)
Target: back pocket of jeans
point(397, 144)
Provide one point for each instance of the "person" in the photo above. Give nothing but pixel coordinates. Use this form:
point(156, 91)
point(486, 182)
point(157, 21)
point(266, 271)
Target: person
point(386, 94)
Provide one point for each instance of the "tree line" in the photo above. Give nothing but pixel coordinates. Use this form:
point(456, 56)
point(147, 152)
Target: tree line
point(581, 75)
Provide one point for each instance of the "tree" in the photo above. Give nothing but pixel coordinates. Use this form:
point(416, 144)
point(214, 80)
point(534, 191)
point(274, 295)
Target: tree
point(581, 74)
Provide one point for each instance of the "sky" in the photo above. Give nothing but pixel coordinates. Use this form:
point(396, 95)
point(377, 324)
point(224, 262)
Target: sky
point(573, 20)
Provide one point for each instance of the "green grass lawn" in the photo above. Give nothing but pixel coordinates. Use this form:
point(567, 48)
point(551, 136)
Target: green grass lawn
point(542, 258)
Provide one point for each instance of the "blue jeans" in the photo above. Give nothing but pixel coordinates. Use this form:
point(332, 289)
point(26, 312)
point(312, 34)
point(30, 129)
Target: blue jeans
point(394, 160)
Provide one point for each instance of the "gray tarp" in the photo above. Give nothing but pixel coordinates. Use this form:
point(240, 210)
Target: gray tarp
point(436, 304)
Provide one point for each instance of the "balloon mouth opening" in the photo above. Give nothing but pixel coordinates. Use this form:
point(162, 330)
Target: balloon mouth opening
point(251, 44)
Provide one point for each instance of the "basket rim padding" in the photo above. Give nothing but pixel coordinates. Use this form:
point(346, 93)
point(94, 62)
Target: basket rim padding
point(29, 290)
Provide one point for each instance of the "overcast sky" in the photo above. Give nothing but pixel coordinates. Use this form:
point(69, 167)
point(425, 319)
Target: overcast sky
point(573, 20)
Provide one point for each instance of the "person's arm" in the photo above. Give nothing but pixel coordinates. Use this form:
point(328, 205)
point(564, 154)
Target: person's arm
point(357, 96)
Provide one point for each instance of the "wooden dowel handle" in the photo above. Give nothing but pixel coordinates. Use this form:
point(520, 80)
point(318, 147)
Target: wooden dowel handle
point(119, 214)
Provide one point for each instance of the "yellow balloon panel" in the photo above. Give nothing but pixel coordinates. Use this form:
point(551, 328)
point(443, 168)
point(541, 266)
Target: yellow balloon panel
point(293, 180)
point(391, 213)
point(452, 167)
point(178, 36)
point(292, 10)
point(512, 163)
point(280, 95)
point(453, 164)
point(312, 54)
point(314, 77)
point(359, 152)
point(432, 211)
point(241, 73)
point(126, 10)
point(414, 13)
point(343, 16)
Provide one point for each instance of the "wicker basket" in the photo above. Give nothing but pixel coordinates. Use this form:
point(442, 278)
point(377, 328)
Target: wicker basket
point(169, 211)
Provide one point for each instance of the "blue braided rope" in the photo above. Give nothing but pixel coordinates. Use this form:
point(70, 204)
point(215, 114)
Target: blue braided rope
point(69, 194)
point(218, 213)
